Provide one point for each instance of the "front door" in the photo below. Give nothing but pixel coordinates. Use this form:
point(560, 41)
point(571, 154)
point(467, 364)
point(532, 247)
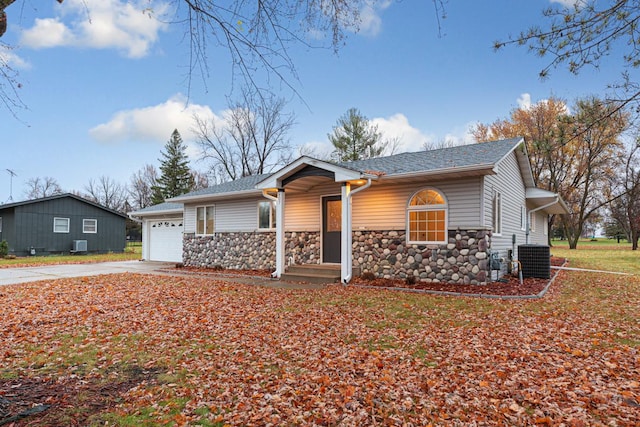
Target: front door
point(331, 228)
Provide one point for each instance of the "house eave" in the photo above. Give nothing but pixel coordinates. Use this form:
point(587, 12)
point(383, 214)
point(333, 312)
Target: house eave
point(214, 196)
point(457, 171)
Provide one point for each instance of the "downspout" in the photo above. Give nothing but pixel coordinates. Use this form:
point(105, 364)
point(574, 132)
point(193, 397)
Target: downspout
point(348, 240)
point(536, 210)
point(279, 230)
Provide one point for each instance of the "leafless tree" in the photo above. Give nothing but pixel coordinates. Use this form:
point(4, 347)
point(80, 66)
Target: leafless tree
point(625, 210)
point(257, 35)
point(252, 138)
point(107, 193)
point(42, 187)
point(140, 186)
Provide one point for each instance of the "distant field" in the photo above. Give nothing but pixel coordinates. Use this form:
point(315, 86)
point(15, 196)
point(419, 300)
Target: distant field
point(601, 254)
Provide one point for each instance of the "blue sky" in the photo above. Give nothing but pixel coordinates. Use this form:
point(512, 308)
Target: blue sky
point(105, 84)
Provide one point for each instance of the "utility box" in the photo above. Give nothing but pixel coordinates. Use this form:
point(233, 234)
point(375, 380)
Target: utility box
point(535, 261)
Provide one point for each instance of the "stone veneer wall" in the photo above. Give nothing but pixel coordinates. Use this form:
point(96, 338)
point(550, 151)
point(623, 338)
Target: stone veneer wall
point(386, 254)
point(249, 250)
point(241, 250)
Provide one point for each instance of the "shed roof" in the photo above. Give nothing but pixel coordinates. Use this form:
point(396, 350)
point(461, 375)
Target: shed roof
point(61, 196)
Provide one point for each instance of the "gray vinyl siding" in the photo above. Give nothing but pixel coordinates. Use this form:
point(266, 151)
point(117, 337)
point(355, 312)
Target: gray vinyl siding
point(508, 181)
point(230, 215)
point(385, 207)
point(537, 235)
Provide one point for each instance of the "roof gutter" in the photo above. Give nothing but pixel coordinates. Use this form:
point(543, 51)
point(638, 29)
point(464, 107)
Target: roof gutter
point(213, 196)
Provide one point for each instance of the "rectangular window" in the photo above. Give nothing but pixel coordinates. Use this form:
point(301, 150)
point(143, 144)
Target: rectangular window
point(89, 226)
point(267, 215)
point(427, 226)
point(546, 226)
point(60, 225)
point(523, 218)
point(497, 213)
point(204, 220)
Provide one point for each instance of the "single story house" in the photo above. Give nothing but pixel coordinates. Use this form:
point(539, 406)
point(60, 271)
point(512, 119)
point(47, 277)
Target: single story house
point(64, 223)
point(438, 215)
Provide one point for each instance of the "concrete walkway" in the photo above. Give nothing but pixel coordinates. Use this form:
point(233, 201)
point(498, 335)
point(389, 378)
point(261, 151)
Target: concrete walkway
point(9, 276)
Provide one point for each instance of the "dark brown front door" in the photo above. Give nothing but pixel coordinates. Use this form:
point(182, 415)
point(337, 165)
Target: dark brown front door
point(331, 228)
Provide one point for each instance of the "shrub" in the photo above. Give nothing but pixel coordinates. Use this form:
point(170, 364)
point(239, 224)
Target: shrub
point(411, 280)
point(368, 276)
point(4, 249)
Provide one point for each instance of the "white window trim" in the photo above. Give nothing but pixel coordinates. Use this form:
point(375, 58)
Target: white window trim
point(68, 221)
point(523, 218)
point(206, 232)
point(84, 226)
point(497, 214)
point(444, 208)
point(272, 215)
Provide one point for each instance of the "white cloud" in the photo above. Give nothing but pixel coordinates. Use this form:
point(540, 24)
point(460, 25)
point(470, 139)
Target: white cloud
point(130, 27)
point(397, 126)
point(10, 59)
point(524, 101)
point(370, 20)
point(569, 3)
point(154, 123)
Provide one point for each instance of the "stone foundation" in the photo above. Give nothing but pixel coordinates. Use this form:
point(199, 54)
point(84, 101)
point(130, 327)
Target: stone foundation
point(231, 250)
point(463, 260)
point(249, 250)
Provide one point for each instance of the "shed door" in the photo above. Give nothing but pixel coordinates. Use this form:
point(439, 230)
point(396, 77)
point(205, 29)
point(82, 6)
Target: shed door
point(331, 228)
point(165, 240)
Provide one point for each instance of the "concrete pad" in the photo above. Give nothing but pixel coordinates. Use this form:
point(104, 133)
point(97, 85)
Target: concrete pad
point(9, 276)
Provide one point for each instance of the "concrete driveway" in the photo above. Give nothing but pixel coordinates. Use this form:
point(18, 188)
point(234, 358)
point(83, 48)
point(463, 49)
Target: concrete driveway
point(10, 276)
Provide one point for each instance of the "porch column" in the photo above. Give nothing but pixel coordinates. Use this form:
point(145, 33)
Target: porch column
point(280, 234)
point(345, 240)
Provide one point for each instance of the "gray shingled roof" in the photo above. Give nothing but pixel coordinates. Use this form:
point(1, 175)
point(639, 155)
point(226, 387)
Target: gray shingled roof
point(240, 184)
point(160, 207)
point(487, 153)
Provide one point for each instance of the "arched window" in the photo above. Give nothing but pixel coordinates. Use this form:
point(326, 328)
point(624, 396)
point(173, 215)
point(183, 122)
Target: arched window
point(427, 217)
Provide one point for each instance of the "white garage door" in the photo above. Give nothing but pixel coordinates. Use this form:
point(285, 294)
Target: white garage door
point(165, 240)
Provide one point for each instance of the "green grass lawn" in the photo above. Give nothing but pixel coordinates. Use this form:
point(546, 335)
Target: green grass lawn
point(132, 252)
point(602, 254)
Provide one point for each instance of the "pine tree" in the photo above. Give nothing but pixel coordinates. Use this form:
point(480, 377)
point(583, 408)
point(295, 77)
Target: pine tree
point(355, 138)
point(175, 177)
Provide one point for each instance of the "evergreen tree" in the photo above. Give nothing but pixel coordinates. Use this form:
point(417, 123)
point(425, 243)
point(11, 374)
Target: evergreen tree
point(175, 177)
point(355, 138)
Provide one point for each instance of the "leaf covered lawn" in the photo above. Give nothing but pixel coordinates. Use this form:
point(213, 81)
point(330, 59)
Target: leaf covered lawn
point(150, 350)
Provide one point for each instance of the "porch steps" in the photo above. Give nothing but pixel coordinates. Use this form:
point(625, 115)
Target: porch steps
point(312, 273)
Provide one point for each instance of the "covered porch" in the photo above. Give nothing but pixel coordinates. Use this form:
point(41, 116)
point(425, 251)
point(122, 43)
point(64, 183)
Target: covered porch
point(329, 189)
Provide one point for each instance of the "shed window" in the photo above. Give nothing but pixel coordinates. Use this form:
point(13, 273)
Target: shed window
point(60, 225)
point(204, 220)
point(267, 215)
point(427, 217)
point(90, 226)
